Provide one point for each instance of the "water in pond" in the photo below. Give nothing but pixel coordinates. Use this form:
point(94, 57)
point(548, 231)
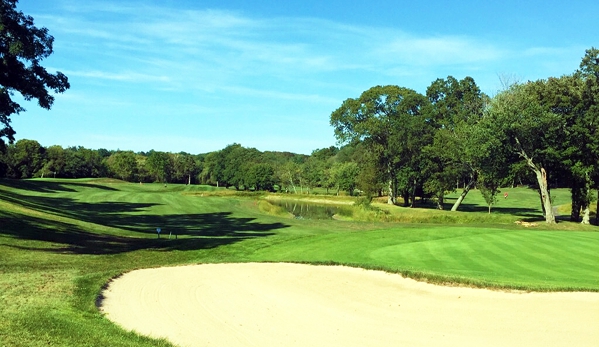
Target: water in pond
point(311, 211)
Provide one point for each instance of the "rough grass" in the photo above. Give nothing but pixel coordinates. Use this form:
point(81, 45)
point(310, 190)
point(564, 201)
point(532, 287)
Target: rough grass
point(62, 240)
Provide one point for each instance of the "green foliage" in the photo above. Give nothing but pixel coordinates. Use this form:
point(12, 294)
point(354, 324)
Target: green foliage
point(489, 188)
point(159, 166)
point(589, 66)
point(364, 202)
point(390, 120)
point(22, 47)
point(123, 165)
point(261, 177)
point(185, 167)
point(24, 159)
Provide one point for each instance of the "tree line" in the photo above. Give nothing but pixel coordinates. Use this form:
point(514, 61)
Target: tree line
point(234, 166)
point(543, 131)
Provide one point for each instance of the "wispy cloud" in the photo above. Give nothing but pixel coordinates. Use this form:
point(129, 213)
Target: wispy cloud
point(439, 50)
point(236, 45)
point(127, 76)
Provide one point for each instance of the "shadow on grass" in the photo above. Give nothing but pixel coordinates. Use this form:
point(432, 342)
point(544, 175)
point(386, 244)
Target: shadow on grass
point(200, 231)
point(525, 212)
point(68, 207)
point(50, 186)
point(196, 231)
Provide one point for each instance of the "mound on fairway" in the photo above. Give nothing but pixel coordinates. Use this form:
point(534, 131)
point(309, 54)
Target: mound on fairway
point(301, 305)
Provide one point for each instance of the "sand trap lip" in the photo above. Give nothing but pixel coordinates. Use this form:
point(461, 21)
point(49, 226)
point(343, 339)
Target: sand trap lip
point(282, 304)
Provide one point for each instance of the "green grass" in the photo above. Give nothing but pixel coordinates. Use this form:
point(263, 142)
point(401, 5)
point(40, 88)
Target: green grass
point(62, 240)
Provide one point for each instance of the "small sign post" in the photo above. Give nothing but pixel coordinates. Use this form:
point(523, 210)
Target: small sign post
point(158, 230)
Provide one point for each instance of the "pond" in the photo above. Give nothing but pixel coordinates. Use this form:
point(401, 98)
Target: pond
point(303, 210)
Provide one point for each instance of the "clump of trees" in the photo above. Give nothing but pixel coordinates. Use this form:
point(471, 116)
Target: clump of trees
point(455, 135)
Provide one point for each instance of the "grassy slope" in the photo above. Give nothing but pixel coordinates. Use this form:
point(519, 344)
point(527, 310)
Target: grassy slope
point(60, 241)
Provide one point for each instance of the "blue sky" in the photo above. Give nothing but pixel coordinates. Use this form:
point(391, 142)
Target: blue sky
point(195, 76)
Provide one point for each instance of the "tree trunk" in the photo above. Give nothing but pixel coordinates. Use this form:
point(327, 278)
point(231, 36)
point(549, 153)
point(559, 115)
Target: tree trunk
point(597, 213)
point(189, 179)
point(545, 197)
point(440, 201)
point(414, 186)
point(406, 197)
point(586, 216)
point(576, 202)
point(395, 190)
point(467, 188)
point(541, 175)
point(291, 182)
point(586, 200)
point(391, 198)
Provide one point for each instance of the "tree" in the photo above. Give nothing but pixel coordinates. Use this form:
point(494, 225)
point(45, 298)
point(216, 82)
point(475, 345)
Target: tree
point(123, 165)
point(489, 188)
point(457, 106)
point(24, 158)
point(529, 129)
point(588, 128)
point(261, 177)
point(290, 175)
point(159, 166)
point(380, 117)
point(313, 172)
point(344, 175)
point(347, 174)
point(22, 47)
point(238, 162)
point(212, 171)
point(184, 167)
point(55, 161)
point(589, 66)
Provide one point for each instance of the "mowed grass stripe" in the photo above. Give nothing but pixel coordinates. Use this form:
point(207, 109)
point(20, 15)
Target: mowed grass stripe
point(473, 255)
point(549, 248)
point(522, 251)
point(500, 257)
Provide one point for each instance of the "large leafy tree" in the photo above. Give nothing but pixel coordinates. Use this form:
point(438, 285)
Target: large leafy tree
point(457, 106)
point(160, 166)
point(381, 117)
point(238, 163)
point(184, 167)
point(123, 164)
point(261, 177)
point(24, 158)
point(584, 139)
point(55, 161)
point(22, 47)
point(530, 128)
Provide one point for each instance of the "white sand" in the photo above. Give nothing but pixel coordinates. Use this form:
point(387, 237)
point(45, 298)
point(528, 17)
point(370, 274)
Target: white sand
point(301, 305)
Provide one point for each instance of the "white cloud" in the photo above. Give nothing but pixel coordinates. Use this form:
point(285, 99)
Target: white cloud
point(127, 76)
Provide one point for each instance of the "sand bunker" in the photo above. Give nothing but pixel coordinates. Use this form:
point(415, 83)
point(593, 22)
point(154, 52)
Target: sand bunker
point(302, 305)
